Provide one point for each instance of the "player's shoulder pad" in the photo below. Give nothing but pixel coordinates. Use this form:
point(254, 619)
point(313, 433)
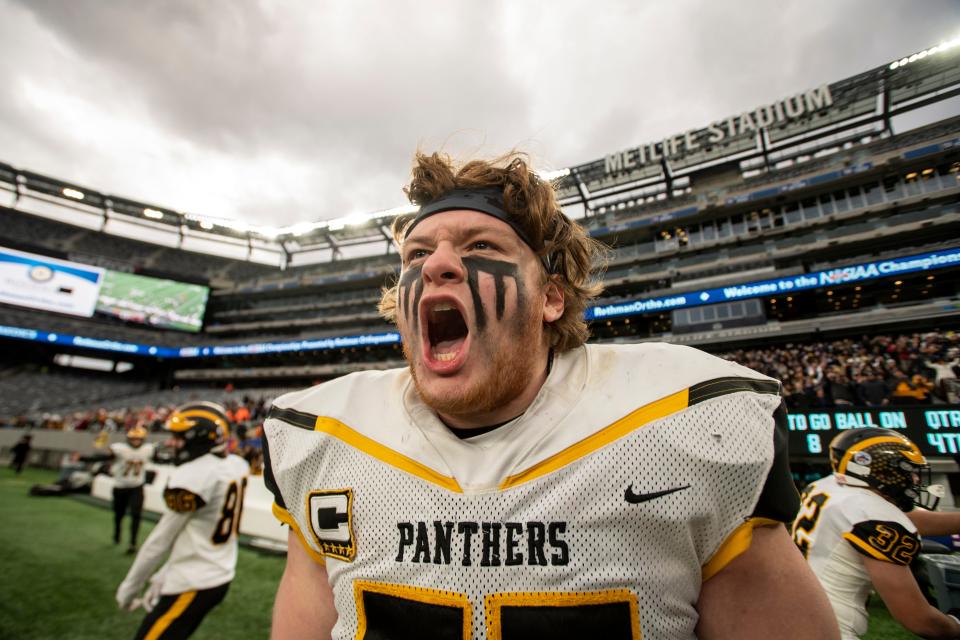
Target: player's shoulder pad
point(239, 464)
point(688, 365)
point(817, 486)
point(182, 500)
point(196, 476)
point(337, 398)
point(713, 366)
point(884, 540)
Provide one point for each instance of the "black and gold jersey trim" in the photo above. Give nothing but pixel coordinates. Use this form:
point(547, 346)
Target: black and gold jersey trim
point(293, 417)
point(268, 477)
point(651, 412)
point(884, 540)
point(357, 440)
point(722, 386)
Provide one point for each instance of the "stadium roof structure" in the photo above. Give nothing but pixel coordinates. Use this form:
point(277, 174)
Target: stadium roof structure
point(752, 142)
point(870, 98)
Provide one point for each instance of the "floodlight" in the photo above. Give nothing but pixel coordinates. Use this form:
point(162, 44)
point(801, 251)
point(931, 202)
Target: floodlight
point(153, 213)
point(399, 211)
point(355, 219)
point(302, 228)
point(920, 55)
point(73, 193)
point(271, 233)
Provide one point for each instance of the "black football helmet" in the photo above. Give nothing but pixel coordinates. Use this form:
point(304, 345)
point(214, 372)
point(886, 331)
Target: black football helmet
point(888, 462)
point(201, 426)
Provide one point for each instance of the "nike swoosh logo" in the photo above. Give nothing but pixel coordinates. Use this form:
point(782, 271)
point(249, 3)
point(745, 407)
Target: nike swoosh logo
point(637, 498)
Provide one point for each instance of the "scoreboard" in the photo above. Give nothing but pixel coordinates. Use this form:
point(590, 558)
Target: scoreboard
point(934, 428)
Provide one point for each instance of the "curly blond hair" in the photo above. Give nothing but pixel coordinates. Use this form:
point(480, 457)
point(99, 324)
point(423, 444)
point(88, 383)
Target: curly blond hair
point(575, 259)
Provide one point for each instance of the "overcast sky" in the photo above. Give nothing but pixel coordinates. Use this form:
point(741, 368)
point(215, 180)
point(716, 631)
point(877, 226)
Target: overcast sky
point(281, 112)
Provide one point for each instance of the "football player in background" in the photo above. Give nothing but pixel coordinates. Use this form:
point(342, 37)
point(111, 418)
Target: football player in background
point(853, 530)
point(514, 482)
point(204, 495)
point(128, 468)
point(20, 452)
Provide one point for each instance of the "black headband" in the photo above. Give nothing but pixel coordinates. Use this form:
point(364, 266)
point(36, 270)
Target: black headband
point(487, 200)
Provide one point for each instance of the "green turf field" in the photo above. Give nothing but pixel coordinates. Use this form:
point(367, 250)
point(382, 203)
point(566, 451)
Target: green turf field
point(61, 569)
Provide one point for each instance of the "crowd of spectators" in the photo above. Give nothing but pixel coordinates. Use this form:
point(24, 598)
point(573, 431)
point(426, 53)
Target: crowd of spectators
point(871, 371)
point(246, 423)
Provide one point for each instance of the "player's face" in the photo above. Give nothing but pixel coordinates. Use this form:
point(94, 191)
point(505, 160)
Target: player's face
point(472, 302)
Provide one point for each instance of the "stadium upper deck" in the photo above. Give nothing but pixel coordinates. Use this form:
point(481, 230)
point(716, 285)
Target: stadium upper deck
point(809, 214)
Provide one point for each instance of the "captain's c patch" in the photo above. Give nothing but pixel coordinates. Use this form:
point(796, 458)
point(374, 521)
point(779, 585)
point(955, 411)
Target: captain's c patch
point(331, 522)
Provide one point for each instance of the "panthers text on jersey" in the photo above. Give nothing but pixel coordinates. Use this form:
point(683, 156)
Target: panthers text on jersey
point(211, 489)
point(637, 472)
point(129, 464)
point(837, 525)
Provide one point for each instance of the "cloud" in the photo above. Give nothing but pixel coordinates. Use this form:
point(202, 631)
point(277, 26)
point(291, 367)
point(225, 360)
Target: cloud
point(283, 112)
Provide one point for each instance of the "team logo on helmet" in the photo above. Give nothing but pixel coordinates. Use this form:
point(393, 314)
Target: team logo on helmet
point(203, 428)
point(888, 462)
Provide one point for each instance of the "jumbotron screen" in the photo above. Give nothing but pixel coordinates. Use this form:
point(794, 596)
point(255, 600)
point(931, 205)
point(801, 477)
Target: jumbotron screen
point(165, 304)
point(39, 282)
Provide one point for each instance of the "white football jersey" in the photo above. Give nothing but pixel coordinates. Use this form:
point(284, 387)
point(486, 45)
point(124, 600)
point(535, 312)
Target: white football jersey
point(837, 525)
point(597, 513)
point(204, 555)
point(129, 464)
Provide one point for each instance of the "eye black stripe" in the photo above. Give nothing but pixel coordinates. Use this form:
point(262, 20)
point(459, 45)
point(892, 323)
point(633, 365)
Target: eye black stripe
point(409, 280)
point(414, 308)
point(474, 285)
point(501, 294)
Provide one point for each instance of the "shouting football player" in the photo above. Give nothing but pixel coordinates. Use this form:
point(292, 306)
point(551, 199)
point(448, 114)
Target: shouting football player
point(514, 482)
point(859, 530)
point(205, 497)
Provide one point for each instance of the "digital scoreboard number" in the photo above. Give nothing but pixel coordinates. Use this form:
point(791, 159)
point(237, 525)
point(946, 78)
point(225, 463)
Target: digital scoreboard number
point(934, 428)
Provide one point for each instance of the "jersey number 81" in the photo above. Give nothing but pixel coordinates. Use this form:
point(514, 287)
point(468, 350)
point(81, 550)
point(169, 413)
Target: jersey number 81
point(229, 522)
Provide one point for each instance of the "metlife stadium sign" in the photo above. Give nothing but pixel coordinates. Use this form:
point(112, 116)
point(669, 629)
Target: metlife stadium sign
point(745, 124)
point(778, 286)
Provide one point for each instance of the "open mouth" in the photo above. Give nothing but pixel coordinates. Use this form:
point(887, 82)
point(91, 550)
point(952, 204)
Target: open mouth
point(446, 331)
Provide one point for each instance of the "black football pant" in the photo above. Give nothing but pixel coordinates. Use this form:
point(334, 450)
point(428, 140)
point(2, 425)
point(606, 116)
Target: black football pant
point(177, 616)
point(123, 499)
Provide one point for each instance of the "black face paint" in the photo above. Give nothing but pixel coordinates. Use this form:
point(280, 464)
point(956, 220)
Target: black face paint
point(474, 284)
point(411, 277)
point(411, 280)
point(499, 269)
